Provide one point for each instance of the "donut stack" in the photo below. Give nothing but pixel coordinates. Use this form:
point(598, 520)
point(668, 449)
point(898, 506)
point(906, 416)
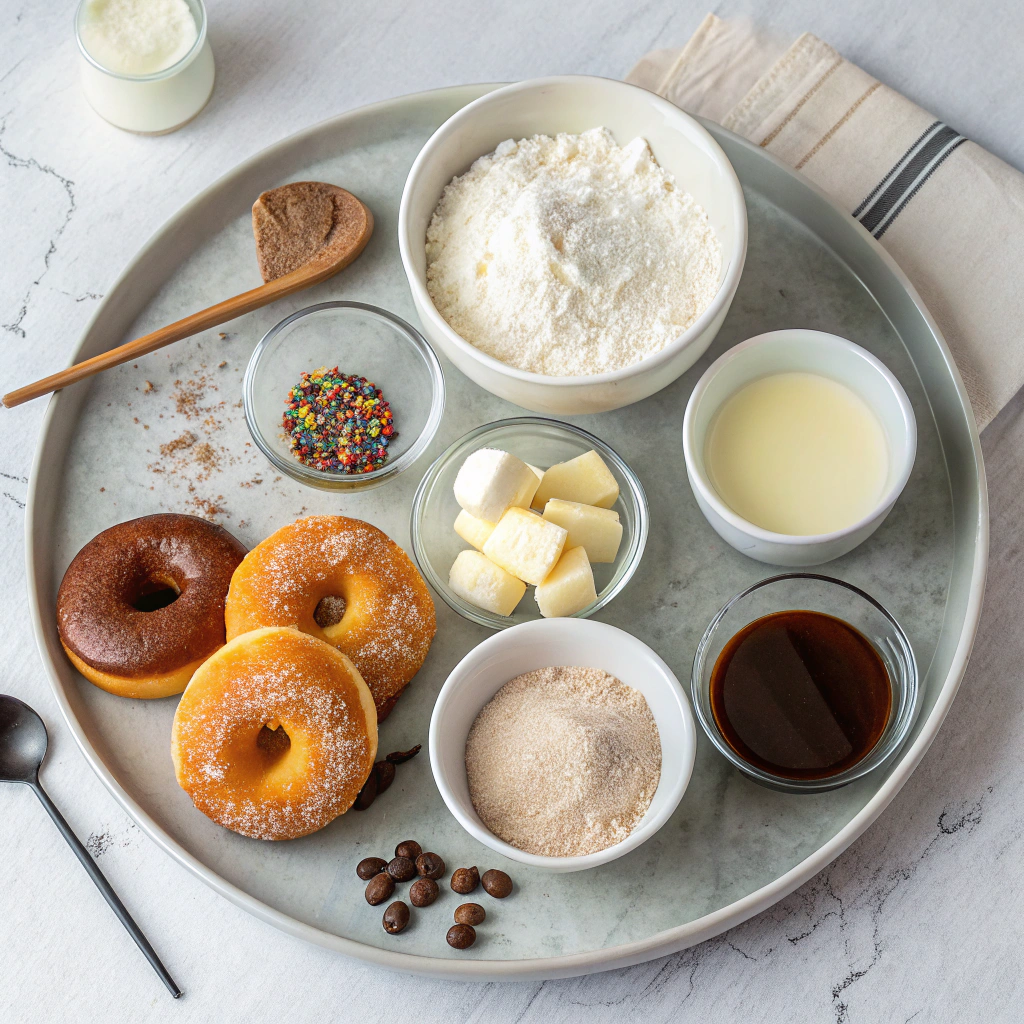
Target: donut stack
point(287, 657)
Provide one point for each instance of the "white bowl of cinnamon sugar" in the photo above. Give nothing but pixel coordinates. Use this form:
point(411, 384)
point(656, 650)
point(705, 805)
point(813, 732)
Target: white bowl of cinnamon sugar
point(562, 744)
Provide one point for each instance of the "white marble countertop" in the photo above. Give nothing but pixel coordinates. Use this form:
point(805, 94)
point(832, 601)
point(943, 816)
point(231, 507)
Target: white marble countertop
point(917, 920)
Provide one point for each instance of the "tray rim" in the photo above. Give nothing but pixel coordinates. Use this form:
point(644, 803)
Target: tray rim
point(539, 968)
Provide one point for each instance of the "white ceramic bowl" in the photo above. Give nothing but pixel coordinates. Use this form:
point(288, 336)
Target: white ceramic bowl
point(575, 104)
point(547, 642)
point(812, 352)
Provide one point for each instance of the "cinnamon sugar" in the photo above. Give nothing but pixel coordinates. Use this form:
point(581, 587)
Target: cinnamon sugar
point(563, 761)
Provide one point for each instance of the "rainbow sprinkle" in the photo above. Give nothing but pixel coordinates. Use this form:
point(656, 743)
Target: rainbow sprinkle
point(338, 423)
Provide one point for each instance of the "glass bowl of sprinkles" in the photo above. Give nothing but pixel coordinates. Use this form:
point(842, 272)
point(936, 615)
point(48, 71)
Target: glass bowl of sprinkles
point(343, 395)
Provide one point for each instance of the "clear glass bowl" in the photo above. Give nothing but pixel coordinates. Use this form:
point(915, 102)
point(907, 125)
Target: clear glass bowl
point(810, 592)
point(359, 339)
point(540, 442)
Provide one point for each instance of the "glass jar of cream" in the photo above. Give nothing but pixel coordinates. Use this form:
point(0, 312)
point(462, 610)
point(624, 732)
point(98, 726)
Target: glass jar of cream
point(146, 65)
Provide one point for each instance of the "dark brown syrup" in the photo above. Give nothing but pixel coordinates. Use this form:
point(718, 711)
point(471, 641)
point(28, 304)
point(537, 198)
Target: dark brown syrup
point(800, 695)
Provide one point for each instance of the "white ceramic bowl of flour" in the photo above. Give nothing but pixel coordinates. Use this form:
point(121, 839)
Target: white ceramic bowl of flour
point(540, 644)
point(575, 104)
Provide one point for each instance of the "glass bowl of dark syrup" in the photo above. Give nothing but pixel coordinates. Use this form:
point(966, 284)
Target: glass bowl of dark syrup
point(805, 683)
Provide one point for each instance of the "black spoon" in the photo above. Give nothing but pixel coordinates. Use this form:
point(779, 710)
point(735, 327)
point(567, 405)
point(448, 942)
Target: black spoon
point(22, 748)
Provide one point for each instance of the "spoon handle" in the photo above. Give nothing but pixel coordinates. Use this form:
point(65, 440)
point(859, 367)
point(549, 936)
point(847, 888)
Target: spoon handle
point(213, 316)
point(104, 887)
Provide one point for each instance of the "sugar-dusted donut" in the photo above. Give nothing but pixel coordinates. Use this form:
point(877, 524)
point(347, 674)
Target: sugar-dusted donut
point(388, 620)
point(275, 734)
point(141, 606)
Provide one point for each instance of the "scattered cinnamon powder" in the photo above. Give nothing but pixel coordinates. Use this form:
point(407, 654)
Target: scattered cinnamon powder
point(207, 457)
point(189, 396)
point(178, 444)
point(195, 456)
point(188, 457)
point(205, 508)
point(192, 457)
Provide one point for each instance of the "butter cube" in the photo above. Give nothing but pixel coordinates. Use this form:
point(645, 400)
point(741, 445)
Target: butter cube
point(596, 529)
point(569, 587)
point(472, 530)
point(585, 479)
point(479, 581)
point(525, 544)
point(491, 481)
point(524, 496)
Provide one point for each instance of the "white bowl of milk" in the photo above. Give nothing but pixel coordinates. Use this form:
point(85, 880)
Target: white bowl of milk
point(797, 445)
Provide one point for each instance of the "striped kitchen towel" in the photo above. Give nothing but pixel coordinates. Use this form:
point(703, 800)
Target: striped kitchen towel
point(950, 213)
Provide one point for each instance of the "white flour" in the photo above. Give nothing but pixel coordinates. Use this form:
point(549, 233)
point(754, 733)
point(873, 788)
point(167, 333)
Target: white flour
point(570, 256)
point(563, 761)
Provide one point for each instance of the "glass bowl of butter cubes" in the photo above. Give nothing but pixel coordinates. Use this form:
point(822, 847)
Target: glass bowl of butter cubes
point(528, 504)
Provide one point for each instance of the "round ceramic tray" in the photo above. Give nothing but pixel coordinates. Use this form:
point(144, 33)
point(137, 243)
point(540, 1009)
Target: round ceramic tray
point(119, 447)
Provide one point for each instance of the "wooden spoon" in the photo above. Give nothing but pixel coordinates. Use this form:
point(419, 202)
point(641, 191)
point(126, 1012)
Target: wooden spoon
point(305, 232)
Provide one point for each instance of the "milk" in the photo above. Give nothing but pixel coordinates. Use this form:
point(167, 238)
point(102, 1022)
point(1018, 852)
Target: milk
point(797, 453)
point(137, 37)
point(146, 65)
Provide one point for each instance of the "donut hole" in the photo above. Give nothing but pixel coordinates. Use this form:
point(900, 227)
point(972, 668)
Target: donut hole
point(273, 742)
point(155, 593)
point(330, 611)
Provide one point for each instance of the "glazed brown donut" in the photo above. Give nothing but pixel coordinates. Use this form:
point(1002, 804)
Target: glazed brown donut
point(388, 620)
point(275, 734)
point(102, 619)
